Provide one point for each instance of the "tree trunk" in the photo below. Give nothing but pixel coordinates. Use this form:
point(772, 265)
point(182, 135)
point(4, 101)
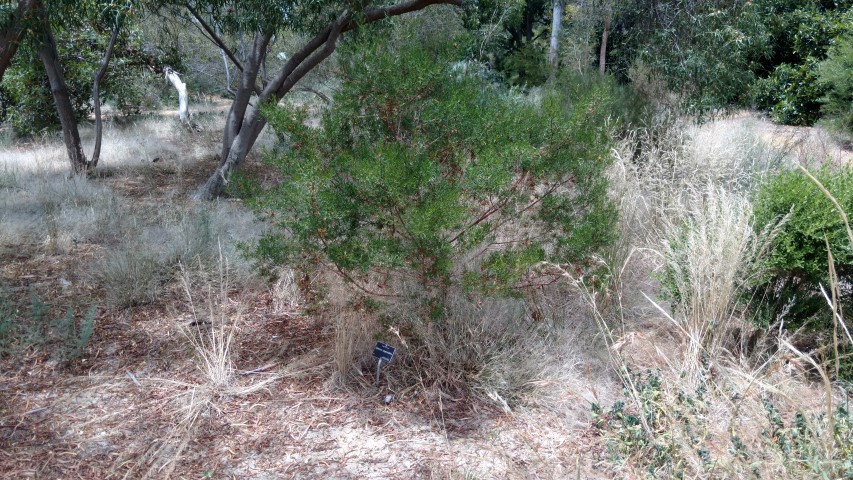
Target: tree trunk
point(183, 101)
point(528, 22)
point(96, 97)
point(237, 113)
point(556, 26)
point(602, 54)
point(70, 134)
point(244, 124)
point(227, 73)
point(11, 35)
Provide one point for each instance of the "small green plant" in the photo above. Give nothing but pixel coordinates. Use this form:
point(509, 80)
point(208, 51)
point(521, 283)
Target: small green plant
point(651, 430)
point(29, 325)
point(667, 429)
point(7, 323)
point(73, 338)
point(801, 446)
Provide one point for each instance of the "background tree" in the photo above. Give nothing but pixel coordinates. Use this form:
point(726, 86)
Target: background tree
point(514, 38)
point(324, 22)
point(13, 22)
point(62, 69)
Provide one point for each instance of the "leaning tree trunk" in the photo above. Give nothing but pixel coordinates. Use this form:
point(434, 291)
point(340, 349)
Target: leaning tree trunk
point(96, 97)
point(11, 35)
point(183, 100)
point(556, 26)
point(602, 54)
point(245, 122)
point(53, 68)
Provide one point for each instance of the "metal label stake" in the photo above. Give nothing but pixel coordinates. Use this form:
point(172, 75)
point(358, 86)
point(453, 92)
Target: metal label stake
point(384, 353)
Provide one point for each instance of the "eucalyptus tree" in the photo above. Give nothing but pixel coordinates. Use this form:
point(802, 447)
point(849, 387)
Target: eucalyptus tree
point(13, 23)
point(109, 13)
point(322, 22)
point(32, 23)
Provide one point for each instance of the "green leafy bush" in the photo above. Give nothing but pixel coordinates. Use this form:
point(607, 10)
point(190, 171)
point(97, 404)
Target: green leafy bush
point(791, 94)
point(801, 35)
point(836, 76)
point(421, 169)
point(798, 264)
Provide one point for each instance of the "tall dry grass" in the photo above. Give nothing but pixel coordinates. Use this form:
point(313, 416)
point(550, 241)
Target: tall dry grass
point(705, 410)
point(211, 332)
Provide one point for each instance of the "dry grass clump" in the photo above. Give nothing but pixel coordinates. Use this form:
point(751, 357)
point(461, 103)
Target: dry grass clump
point(55, 211)
point(137, 269)
point(496, 348)
point(355, 333)
point(702, 409)
point(213, 325)
point(709, 256)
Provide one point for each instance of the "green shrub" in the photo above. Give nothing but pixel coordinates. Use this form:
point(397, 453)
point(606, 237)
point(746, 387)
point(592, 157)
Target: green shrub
point(425, 171)
point(801, 35)
point(798, 264)
point(791, 94)
point(836, 76)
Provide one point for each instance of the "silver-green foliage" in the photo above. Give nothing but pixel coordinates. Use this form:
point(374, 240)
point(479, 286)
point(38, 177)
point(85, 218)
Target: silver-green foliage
point(32, 326)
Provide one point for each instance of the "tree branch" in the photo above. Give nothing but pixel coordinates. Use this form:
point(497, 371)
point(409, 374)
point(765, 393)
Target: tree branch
point(96, 97)
point(10, 38)
point(219, 42)
point(213, 36)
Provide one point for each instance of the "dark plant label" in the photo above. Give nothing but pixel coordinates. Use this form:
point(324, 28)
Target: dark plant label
point(383, 351)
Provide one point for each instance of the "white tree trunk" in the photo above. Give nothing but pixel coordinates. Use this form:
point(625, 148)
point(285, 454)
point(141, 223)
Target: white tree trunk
point(602, 54)
point(556, 26)
point(181, 87)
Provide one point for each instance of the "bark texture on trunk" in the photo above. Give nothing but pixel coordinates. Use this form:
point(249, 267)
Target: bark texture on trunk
point(602, 54)
point(11, 35)
point(96, 97)
point(237, 113)
point(59, 89)
point(556, 27)
point(245, 122)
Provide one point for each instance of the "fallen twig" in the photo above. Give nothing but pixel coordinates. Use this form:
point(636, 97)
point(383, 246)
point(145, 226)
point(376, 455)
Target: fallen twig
point(258, 370)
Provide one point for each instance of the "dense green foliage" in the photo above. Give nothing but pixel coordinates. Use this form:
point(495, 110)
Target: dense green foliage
point(798, 263)
point(718, 54)
point(836, 76)
point(31, 109)
point(512, 38)
point(800, 34)
point(82, 31)
point(424, 169)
